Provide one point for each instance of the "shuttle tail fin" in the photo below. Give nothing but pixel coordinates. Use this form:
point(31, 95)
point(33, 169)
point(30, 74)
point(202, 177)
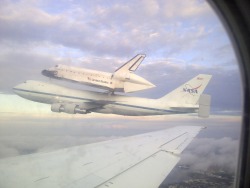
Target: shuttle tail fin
point(132, 64)
point(188, 94)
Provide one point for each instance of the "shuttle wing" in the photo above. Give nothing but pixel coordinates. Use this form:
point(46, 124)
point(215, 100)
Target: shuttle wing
point(137, 161)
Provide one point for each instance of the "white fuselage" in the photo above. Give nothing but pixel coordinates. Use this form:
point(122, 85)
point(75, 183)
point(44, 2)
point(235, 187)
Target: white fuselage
point(110, 103)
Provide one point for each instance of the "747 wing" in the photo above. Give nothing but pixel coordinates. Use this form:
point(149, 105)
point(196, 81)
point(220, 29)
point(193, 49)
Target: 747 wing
point(73, 108)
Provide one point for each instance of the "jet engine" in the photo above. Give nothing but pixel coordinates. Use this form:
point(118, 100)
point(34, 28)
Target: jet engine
point(70, 108)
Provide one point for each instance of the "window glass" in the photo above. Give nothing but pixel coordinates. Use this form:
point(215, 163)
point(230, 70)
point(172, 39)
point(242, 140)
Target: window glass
point(181, 39)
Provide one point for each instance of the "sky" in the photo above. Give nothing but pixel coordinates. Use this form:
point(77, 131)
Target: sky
point(181, 39)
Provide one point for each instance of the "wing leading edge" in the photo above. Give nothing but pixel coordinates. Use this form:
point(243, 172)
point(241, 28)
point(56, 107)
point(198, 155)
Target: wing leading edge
point(137, 161)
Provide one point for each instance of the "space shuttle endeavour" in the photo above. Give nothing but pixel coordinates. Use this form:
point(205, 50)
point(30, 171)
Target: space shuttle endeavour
point(122, 80)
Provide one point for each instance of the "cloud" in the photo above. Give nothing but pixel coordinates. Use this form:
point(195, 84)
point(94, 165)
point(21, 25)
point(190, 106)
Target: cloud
point(18, 67)
point(16, 104)
point(216, 146)
point(115, 28)
point(28, 133)
point(7, 151)
point(205, 153)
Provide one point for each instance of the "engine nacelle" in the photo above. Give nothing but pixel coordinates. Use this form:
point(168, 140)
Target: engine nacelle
point(57, 107)
point(70, 108)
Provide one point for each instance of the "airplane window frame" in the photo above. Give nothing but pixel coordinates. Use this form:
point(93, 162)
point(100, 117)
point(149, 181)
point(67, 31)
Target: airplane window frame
point(234, 14)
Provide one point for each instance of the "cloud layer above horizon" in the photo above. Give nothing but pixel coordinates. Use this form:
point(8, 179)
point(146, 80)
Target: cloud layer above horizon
point(217, 145)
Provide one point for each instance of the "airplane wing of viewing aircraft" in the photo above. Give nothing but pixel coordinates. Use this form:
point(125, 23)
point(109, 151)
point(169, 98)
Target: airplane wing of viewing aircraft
point(140, 161)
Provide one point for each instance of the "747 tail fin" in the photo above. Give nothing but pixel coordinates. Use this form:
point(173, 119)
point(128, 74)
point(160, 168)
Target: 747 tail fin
point(188, 94)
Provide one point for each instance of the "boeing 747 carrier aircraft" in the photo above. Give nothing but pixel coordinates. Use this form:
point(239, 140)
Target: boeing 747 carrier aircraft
point(122, 80)
point(187, 98)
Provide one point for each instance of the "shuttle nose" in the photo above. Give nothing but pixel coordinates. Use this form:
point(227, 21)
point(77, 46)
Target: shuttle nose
point(49, 73)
